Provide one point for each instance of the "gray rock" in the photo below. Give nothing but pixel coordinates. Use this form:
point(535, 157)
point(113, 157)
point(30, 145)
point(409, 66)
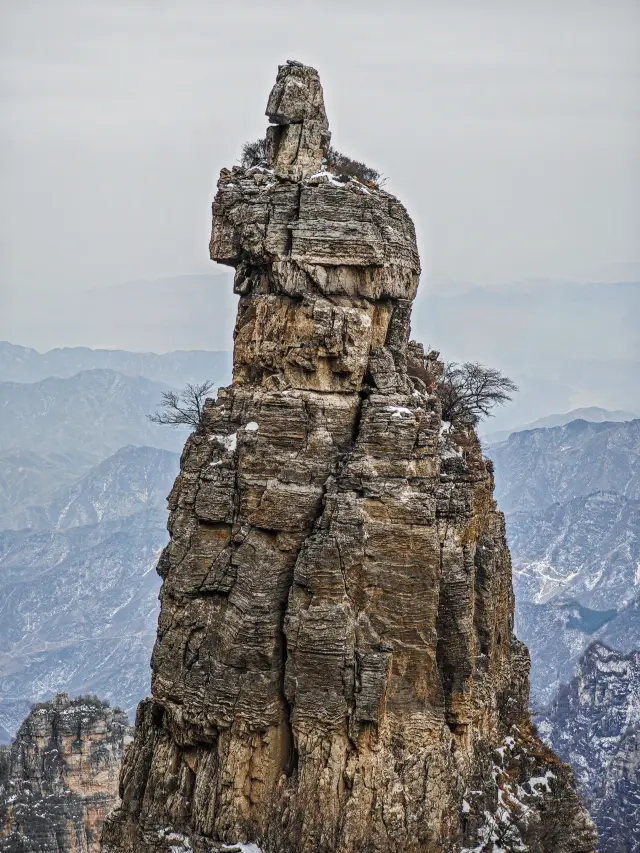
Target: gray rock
point(335, 664)
point(59, 779)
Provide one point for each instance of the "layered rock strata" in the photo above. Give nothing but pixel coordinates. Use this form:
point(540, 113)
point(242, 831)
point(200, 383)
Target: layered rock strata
point(335, 663)
point(59, 778)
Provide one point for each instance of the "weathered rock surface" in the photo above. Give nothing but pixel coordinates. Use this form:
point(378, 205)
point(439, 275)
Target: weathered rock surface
point(335, 668)
point(59, 779)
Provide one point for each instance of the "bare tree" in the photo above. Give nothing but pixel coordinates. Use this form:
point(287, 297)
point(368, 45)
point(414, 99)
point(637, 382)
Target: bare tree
point(468, 392)
point(254, 153)
point(183, 407)
point(344, 167)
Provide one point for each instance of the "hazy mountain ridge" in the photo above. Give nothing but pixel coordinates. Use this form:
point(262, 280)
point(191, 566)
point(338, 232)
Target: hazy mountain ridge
point(133, 479)
point(79, 604)
point(79, 609)
point(27, 477)
point(95, 412)
point(593, 414)
point(537, 468)
point(24, 364)
point(573, 524)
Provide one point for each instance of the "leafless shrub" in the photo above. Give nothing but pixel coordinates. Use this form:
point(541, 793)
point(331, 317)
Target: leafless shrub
point(468, 392)
point(344, 167)
point(182, 407)
point(254, 154)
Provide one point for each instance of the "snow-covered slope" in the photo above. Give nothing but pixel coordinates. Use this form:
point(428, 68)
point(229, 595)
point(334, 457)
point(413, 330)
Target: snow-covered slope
point(132, 479)
point(28, 477)
point(594, 724)
point(586, 549)
point(540, 467)
point(573, 525)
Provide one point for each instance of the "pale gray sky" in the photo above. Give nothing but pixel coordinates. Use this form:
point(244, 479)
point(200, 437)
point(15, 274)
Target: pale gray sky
point(511, 130)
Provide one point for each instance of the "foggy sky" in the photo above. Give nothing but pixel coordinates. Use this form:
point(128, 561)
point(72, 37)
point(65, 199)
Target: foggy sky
point(509, 129)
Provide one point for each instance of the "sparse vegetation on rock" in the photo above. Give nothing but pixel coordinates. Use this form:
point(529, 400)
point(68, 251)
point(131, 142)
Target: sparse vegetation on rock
point(182, 407)
point(345, 167)
point(469, 391)
point(254, 153)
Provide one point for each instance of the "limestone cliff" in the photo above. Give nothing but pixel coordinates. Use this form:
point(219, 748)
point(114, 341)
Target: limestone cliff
point(59, 778)
point(335, 668)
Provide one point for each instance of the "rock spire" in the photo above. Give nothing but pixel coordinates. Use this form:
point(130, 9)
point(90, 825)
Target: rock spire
point(335, 669)
point(59, 778)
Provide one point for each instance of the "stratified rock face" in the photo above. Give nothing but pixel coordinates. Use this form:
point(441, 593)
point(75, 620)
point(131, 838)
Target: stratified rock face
point(594, 723)
point(335, 664)
point(59, 778)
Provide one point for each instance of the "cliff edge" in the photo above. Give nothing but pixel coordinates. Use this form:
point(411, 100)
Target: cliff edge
point(335, 668)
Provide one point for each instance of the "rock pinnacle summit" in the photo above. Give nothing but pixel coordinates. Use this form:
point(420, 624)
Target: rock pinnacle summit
point(336, 669)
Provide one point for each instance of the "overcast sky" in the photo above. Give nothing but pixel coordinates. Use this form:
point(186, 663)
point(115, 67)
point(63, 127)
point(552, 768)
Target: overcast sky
point(510, 130)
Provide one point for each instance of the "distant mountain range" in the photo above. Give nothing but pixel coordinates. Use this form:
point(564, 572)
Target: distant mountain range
point(23, 364)
point(594, 724)
point(94, 412)
point(593, 414)
point(586, 549)
point(28, 477)
point(79, 604)
point(83, 518)
point(539, 467)
point(572, 499)
point(131, 480)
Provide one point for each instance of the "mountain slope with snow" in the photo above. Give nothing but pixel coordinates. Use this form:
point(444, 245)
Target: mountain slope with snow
point(594, 724)
point(132, 479)
point(586, 549)
point(537, 468)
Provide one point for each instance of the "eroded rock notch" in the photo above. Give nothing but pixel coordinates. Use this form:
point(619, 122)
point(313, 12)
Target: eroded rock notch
point(335, 668)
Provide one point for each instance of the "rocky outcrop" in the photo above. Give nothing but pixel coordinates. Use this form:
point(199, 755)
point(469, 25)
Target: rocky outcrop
point(594, 723)
point(59, 779)
point(335, 668)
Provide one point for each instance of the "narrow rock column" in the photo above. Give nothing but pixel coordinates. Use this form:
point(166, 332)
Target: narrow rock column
point(335, 661)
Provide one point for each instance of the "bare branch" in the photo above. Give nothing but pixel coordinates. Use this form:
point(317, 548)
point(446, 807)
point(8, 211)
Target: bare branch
point(254, 153)
point(468, 392)
point(183, 408)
